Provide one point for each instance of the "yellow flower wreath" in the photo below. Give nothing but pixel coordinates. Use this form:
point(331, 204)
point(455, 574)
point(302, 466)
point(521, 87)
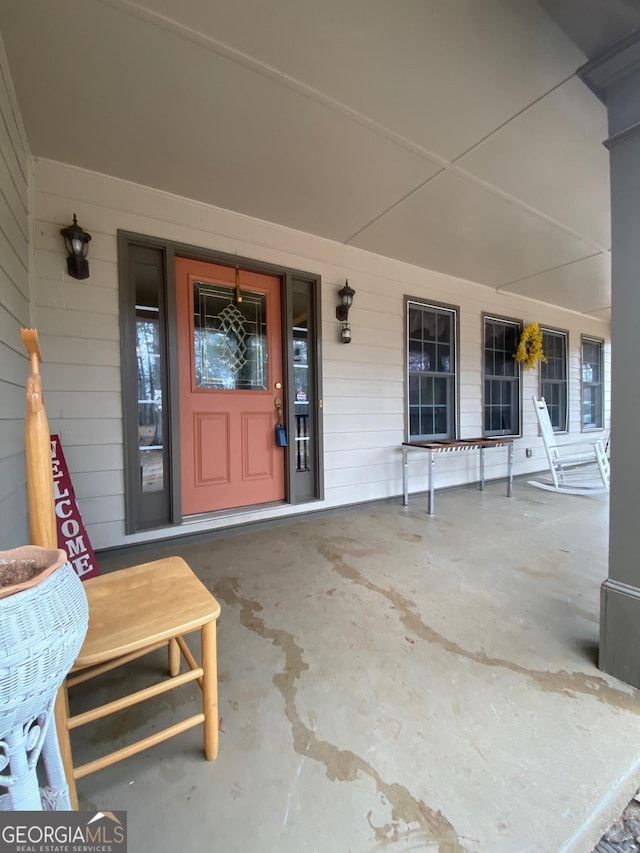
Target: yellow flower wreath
point(529, 351)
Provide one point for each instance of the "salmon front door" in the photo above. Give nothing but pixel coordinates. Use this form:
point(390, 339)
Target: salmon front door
point(231, 386)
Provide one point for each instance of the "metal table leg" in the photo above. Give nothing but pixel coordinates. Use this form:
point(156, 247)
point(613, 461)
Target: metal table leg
point(510, 469)
point(482, 469)
point(405, 478)
point(431, 503)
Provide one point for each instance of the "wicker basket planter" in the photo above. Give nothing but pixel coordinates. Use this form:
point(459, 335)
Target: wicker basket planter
point(25, 567)
point(43, 622)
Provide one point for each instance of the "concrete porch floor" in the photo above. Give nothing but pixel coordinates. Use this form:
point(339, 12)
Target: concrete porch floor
point(391, 681)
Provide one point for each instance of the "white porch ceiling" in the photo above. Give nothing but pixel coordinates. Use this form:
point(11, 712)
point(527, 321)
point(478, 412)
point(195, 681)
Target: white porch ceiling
point(453, 135)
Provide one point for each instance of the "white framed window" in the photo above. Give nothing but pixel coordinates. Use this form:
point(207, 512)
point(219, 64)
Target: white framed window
point(592, 383)
point(554, 386)
point(431, 349)
point(502, 375)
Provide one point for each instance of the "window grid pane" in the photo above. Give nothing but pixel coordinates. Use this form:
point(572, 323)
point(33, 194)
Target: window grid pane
point(592, 387)
point(502, 378)
point(431, 371)
point(553, 378)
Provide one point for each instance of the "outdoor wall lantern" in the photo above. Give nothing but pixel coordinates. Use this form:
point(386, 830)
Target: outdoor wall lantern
point(76, 241)
point(346, 295)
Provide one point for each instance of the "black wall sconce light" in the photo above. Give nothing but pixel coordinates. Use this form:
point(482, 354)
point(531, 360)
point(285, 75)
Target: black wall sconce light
point(346, 295)
point(76, 241)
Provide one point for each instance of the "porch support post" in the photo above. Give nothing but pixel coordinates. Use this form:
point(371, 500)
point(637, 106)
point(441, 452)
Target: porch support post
point(615, 79)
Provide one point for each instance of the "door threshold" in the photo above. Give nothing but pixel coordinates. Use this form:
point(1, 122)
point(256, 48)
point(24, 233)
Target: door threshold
point(233, 512)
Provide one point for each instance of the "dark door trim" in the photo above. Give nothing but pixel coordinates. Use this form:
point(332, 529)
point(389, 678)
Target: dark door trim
point(142, 511)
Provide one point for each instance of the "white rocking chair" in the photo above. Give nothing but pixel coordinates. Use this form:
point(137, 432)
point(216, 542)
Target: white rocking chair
point(575, 468)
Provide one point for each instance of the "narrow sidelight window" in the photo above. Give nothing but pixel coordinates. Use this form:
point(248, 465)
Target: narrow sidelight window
point(306, 432)
point(143, 320)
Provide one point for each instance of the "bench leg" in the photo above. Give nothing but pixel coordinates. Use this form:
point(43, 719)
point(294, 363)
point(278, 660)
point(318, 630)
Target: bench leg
point(510, 470)
point(431, 501)
point(210, 689)
point(405, 478)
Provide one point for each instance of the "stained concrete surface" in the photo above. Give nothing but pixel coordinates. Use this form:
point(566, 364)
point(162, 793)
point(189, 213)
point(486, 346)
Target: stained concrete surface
point(390, 681)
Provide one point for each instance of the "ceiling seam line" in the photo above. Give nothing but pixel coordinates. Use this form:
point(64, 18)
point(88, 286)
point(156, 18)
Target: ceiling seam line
point(504, 196)
point(259, 67)
point(271, 73)
point(514, 116)
point(230, 234)
point(303, 89)
point(604, 308)
point(524, 206)
point(500, 288)
point(233, 213)
point(550, 304)
point(391, 206)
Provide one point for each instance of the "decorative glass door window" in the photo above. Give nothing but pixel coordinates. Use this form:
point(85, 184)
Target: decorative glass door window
point(230, 338)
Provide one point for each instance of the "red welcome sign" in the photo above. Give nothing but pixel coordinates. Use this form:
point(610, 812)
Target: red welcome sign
point(72, 534)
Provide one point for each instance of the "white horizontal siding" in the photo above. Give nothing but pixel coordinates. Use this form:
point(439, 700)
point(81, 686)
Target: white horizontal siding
point(83, 458)
point(14, 300)
point(333, 369)
point(360, 440)
point(12, 184)
point(13, 511)
point(14, 264)
point(76, 404)
point(73, 350)
point(364, 385)
point(95, 509)
point(54, 294)
point(75, 377)
point(12, 231)
point(11, 472)
point(68, 322)
point(97, 484)
point(363, 406)
point(362, 457)
point(362, 476)
point(12, 439)
point(14, 311)
point(13, 369)
point(89, 431)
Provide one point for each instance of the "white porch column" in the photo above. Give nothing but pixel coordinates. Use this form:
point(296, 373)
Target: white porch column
point(615, 79)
